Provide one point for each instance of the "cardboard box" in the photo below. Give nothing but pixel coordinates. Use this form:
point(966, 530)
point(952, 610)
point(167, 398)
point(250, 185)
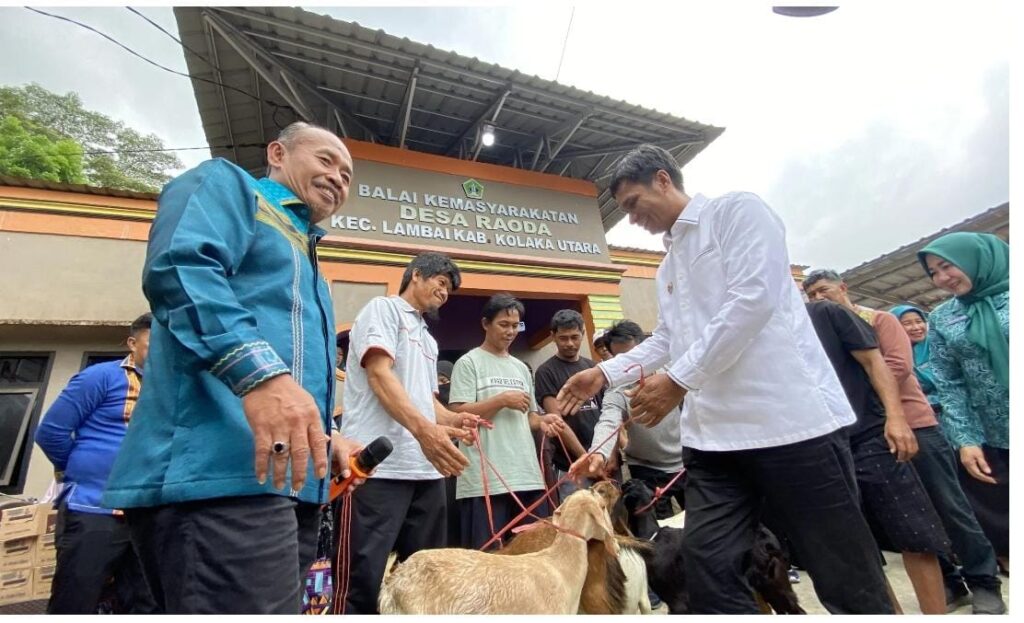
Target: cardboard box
point(42, 581)
point(47, 519)
point(18, 553)
point(45, 550)
point(15, 586)
point(19, 519)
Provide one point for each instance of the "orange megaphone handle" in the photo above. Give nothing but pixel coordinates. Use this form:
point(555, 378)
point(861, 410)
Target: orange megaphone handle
point(339, 485)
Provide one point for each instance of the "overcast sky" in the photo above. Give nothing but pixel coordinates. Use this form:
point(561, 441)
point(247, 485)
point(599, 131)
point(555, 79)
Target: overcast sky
point(866, 128)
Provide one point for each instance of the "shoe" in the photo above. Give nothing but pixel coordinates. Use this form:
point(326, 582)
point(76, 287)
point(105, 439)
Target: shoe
point(988, 601)
point(957, 597)
point(794, 575)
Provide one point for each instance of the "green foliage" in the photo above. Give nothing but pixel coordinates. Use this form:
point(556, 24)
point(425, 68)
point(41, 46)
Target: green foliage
point(29, 152)
point(134, 166)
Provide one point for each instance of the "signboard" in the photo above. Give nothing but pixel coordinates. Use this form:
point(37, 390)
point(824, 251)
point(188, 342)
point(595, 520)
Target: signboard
point(397, 204)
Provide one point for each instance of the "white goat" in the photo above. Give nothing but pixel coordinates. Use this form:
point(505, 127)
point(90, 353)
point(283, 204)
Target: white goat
point(461, 581)
point(635, 568)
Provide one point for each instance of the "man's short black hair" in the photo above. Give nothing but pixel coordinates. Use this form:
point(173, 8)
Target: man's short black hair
point(429, 264)
point(822, 274)
point(566, 319)
point(500, 302)
point(624, 331)
point(142, 323)
point(641, 164)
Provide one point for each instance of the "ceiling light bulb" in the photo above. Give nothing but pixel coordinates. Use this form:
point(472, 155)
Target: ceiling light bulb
point(487, 137)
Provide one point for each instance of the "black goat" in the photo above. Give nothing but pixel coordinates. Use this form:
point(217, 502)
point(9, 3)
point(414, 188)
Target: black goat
point(766, 566)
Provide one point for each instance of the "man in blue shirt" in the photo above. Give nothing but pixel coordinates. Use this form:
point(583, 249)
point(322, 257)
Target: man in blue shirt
point(240, 382)
point(81, 434)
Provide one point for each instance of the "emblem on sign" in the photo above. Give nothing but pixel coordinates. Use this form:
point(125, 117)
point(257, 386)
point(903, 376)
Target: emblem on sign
point(473, 189)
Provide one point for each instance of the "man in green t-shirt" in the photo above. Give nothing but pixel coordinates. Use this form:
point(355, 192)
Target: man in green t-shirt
point(493, 384)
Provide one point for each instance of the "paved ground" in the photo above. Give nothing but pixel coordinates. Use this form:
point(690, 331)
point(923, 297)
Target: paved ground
point(893, 570)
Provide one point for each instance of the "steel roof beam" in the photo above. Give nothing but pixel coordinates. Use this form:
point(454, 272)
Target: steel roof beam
point(568, 129)
point(259, 102)
point(614, 149)
point(492, 110)
point(329, 36)
point(219, 76)
point(402, 121)
point(252, 54)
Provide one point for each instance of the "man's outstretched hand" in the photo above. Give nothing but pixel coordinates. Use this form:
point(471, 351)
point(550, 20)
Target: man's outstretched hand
point(580, 388)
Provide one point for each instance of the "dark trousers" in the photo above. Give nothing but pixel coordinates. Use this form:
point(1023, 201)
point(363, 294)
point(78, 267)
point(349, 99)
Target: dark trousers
point(654, 478)
point(809, 489)
point(92, 550)
point(238, 555)
point(991, 503)
point(404, 516)
point(476, 527)
point(936, 465)
point(454, 524)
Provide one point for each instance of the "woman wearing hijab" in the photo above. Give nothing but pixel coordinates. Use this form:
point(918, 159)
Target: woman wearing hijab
point(977, 581)
point(970, 359)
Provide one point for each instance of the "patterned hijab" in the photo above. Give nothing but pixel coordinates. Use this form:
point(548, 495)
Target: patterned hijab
point(985, 259)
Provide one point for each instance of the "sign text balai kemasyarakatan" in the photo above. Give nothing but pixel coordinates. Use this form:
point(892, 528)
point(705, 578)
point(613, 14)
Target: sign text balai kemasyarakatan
point(437, 209)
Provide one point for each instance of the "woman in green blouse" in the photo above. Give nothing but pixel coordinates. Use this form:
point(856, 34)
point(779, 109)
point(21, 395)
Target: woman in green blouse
point(970, 360)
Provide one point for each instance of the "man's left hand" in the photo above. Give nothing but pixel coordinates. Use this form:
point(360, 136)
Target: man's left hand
point(341, 450)
point(900, 438)
point(655, 398)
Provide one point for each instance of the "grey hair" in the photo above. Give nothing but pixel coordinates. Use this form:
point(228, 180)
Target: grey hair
point(289, 135)
point(822, 274)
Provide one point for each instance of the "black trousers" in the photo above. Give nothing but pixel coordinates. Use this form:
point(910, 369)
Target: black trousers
point(92, 550)
point(238, 555)
point(809, 489)
point(476, 527)
point(403, 516)
point(654, 478)
point(991, 503)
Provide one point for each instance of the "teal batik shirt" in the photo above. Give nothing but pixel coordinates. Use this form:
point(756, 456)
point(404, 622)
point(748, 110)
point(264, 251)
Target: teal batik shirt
point(975, 406)
point(232, 278)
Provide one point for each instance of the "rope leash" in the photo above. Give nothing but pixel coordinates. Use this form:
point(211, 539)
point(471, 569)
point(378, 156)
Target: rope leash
point(528, 511)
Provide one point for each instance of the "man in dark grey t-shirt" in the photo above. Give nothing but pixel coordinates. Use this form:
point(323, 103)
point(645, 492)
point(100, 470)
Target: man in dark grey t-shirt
point(567, 333)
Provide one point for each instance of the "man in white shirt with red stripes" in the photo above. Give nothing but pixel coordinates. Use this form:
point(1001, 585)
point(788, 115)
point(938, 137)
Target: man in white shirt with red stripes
point(763, 410)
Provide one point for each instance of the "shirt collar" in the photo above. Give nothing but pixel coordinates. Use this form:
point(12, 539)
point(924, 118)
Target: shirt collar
point(128, 363)
point(297, 211)
point(406, 307)
point(688, 217)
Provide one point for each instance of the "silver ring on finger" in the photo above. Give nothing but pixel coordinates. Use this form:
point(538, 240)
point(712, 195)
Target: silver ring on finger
point(279, 448)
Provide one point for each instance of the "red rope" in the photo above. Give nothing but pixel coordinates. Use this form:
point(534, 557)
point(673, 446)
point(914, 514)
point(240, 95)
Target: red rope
point(658, 492)
point(344, 551)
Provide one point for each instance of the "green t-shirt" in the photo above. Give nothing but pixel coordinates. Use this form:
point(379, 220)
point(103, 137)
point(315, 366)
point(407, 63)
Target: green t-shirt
point(479, 375)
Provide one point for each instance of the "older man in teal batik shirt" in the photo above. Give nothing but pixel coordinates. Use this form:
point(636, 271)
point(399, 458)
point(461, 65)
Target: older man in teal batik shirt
point(240, 382)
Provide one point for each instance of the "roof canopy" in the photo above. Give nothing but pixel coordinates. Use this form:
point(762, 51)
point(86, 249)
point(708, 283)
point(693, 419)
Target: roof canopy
point(897, 277)
point(371, 86)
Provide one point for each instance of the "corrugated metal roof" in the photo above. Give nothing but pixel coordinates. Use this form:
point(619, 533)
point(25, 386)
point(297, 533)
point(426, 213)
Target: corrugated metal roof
point(370, 85)
point(897, 277)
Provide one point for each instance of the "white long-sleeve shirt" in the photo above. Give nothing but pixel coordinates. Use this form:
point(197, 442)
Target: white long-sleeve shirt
point(733, 330)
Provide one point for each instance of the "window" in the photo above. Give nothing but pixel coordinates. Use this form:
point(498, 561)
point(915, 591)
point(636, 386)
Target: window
point(91, 358)
point(15, 413)
point(23, 379)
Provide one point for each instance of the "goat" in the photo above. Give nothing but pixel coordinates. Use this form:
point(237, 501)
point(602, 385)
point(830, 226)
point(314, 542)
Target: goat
point(765, 567)
point(614, 584)
point(461, 581)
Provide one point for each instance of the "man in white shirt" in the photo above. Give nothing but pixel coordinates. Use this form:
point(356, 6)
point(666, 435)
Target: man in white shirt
point(763, 407)
point(390, 390)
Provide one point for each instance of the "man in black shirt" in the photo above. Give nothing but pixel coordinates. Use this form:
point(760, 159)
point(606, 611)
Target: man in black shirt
point(567, 333)
point(893, 498)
